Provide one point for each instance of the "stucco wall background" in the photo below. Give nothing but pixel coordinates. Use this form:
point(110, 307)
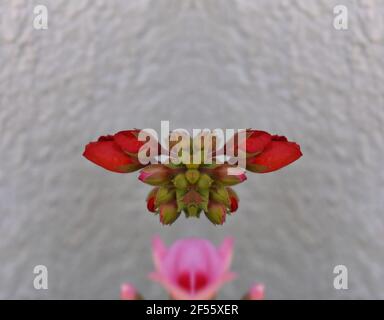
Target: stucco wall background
point(105, 66)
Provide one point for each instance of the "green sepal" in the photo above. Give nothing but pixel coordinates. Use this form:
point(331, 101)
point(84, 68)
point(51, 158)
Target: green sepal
point(220, 195)
point(164, 194)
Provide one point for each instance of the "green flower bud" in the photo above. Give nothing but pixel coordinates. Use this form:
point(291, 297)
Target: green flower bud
point(192, 175)
point(180, 181)
point(204, 182)
point(168, 213)
point(155, 174)
point(220, 195)
point(152, 193)
point(222, 175)
point(164, 194)
point(216, 212)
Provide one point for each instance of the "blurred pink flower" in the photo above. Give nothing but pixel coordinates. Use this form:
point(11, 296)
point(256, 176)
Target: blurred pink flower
point(192, 268)
point(256, 292)
point(129, 292)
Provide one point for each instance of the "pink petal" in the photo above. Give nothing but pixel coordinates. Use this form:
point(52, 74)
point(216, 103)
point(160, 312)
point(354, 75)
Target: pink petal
point(158, 251)
point(226, 252)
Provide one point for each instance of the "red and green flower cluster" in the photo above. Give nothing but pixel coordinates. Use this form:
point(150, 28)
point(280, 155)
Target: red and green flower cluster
point(193, 188)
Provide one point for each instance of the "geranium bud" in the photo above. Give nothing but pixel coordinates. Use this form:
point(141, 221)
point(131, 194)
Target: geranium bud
point(151, 200)
point(155, 174)
point(277, 154)
point(168, 213)
point(216, 212)
point(128, 141)
point(192, 175)
point(180, 181)
point(255, 142)
point(221, 175)
point(204, 182)
point(164, 195)
point(107, 154)
point(151, 204)
point(233, 198)
point(234, 204)
point(220, 195)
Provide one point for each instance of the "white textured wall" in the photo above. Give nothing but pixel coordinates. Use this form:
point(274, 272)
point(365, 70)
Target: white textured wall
point(104, 66)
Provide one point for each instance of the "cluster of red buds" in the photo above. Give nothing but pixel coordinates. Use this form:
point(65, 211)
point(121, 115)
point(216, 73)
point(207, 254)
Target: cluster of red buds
point(193, 187)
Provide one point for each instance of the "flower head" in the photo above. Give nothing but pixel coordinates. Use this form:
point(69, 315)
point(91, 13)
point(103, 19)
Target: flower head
point(192, 268)
point(200, 186)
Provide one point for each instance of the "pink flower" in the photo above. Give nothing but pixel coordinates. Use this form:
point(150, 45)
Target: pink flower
point(192, 268)
point(256, 292)
point(129, 292)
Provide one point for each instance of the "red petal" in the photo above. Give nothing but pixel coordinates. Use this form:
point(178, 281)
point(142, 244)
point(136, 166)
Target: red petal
point(105, 138)
point(192, 281)
point(276, 155)
point(257, 141)
point(108, 155)
point(151, 204)
point(279, 138)
point(128, 140)
point(234, 204)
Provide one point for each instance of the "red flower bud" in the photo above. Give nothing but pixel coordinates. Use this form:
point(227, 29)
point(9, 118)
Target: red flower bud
point(155, 174)
point(107, 154)
point(233, 198)
point(255, 143)
point(128, 141)
point(151, 200)
point(234, 204)
point(151, 204)
point(279, 153)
